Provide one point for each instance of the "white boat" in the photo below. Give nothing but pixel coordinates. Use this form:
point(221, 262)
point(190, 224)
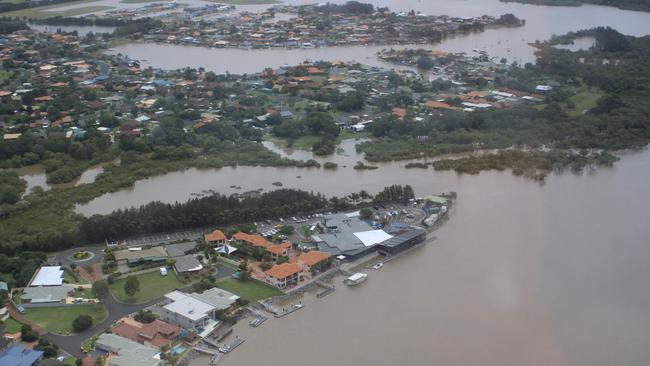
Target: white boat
point(356, 279)
point(378, 265)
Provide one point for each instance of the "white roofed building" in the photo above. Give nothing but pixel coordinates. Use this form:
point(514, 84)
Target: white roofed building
point(48, 276)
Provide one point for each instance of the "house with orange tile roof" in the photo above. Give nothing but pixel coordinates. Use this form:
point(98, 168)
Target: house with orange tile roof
point(279, 250)
point(155, 334)
point(216, 238)
point(400, 113)
point(315, 261)
point(284, 275)
point(440, 105)
point(253, 240)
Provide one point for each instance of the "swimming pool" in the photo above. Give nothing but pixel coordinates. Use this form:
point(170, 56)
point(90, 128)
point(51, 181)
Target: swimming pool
point(177, 350)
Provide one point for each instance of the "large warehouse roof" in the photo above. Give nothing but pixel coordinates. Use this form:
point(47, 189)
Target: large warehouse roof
point(372, 237)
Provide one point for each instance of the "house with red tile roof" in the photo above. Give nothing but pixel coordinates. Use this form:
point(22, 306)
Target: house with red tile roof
point(284, 275)
point(279, 250)
point(216, 238)
point(253, 240)
point(315, 261)
point(155, 334)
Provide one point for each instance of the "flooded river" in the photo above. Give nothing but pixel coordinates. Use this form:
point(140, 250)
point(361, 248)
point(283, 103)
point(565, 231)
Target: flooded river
point(512, 43)
point(522, 274)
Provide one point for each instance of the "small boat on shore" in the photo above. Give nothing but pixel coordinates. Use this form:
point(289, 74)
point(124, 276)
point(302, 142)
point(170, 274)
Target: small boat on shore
point(356, 279)
point(378, 265)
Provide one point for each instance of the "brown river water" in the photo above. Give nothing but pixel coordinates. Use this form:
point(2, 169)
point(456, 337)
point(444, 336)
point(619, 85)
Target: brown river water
point(522, 274)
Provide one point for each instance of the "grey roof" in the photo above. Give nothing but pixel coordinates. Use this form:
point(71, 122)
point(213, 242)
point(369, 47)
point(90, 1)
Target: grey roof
point(186, 263)
point(340, 238)
point(3, 286)
point(154, 252)
point(46, 293)
point(180, 249)
point(402, 237)
point(129, 353)
point(220, 299)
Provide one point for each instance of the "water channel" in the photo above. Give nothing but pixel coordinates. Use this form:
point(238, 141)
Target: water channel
point(523, 273)
point(512, 43)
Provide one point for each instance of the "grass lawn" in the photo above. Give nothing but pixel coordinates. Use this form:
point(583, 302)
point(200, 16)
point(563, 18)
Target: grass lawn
point(12, 326)
point(51, 10)
point(584, 100)
point(250, 290)
point(59, 319)
point(152, 285)
point(86, 293)
point(67, 278)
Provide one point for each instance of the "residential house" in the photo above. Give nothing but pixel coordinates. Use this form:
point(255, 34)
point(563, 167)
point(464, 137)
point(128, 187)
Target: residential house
point(315, 261)
point(126, 352)
point(197, 311)
point(155, 334)
point(284, 275)
point(253, 240)
point(180, 249)
point(48, 276)
point(279, 250)
point(45, 294)
point(187, 264)
point(215, 238)
point(134, 256)
point(18, 355)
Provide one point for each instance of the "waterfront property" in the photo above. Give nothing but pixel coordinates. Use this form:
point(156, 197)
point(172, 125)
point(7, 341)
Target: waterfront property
point(197, 312)
point(155, 334)
point(125, 352)
point(315, 261)
point(284, 275)
point(348, 235)
point(279, 250)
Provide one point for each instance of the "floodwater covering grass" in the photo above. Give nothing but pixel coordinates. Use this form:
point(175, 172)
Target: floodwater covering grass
point(59, 319)
point(250, 290)
point(152, 285)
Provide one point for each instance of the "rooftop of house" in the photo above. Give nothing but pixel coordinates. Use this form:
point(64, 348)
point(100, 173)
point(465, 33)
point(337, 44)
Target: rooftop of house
point(48, 276)
point(46, 293)
point(187, 263)
point(216, 235)
point(284, 270)
point(279, 248)
point(252, 239)
point(313, 257)
point(157, 333)
point(188, 306)
point(129, 353)
point(137, 254)
point(18, 355)
point(180, 249)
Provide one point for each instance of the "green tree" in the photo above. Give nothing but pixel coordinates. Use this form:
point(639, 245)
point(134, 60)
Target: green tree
point(131, 286)
point(100, 289)
point(365, 213)
point(244, 270)
point(82, 322)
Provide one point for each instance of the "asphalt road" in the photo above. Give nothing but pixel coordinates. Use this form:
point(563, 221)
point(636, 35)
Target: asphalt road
point(65, 256)
point(116, 310)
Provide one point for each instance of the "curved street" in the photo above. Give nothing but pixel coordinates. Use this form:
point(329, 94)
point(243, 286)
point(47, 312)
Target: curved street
point(116, 310)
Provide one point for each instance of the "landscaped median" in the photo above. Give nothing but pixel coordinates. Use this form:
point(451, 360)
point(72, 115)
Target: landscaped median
point(58, 319)
point(152, 285)
point(250, 290)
